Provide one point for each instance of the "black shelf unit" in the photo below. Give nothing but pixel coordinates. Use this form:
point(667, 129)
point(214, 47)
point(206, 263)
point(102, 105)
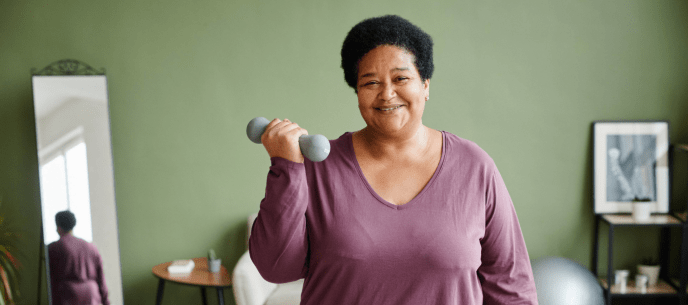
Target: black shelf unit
point(682, 282)
point(667, 287)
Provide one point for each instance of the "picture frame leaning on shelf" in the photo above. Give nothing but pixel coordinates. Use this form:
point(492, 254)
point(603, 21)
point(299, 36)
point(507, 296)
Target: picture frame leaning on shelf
point(630, 160)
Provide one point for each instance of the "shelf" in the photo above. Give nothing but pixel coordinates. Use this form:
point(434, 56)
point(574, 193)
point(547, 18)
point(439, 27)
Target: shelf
point(655, 219)
point(669, 288)
point(677, 283)
point(662, 287)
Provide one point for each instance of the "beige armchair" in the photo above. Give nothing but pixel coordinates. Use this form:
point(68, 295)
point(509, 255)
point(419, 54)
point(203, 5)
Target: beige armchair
point(251, 289)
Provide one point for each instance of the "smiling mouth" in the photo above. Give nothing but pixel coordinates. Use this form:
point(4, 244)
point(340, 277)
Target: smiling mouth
point(389, 109)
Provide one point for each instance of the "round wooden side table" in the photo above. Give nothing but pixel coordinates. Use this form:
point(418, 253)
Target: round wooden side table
point(200, 277)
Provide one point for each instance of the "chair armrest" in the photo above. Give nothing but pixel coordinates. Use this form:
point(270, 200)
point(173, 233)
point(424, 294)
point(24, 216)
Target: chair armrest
point(249, 286)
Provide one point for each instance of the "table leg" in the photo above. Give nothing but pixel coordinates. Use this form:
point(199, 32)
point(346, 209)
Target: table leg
point(220, 296)
point(205, 300)
point(161, 287)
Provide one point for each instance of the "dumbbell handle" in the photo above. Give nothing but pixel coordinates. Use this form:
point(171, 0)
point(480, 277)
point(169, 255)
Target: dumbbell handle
point(314, 147)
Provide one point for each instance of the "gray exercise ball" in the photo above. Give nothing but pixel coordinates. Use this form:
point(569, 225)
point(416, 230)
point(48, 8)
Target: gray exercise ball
point(560, 281)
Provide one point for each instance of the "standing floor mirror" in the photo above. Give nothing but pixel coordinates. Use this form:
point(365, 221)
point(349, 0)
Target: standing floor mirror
point(75, 163)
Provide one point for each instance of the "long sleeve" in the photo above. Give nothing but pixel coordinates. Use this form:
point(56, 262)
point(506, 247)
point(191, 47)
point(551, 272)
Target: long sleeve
point(279, 243)
point(100, 279)
point(505, 273)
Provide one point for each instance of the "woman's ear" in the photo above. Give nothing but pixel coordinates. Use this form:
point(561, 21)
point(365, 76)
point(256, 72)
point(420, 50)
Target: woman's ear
point(426, 88)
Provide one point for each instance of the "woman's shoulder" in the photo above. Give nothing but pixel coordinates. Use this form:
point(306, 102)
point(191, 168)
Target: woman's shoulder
point(342, 145)
point(465, 150)
point(343, 139)
point(341, 150)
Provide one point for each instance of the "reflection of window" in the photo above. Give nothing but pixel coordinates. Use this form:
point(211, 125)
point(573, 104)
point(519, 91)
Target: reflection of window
point(64, 186)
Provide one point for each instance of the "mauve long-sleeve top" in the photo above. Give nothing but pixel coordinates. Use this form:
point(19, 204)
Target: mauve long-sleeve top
point(457, 242)
point(76, 272)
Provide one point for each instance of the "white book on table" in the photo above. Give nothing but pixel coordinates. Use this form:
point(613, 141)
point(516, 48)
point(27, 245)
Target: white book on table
point(181, 266)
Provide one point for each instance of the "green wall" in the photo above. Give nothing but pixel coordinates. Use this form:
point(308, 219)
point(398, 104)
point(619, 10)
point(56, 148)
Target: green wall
point(523, 79)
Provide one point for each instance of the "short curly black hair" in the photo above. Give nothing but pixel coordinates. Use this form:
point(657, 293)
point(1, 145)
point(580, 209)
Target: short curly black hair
point(386, 30)
point(65, 220)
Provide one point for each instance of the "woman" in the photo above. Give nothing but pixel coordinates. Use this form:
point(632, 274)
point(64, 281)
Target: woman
point(76, 268)
point(398, 213)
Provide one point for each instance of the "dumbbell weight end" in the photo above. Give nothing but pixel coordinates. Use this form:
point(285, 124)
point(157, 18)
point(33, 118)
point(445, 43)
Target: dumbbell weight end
point(256, 128)
point(314, 147)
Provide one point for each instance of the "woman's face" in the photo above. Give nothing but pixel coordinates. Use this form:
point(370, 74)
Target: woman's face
point(391, 95)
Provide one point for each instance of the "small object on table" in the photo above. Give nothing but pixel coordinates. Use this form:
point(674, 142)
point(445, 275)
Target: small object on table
point(181, 267)
point(621, 278)
point(651, 268)
point(642, 208)
point(214, 263)
point(641, 282)
point(200, 276)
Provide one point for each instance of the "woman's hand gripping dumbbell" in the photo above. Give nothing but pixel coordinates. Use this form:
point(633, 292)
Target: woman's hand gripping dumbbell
point(281, 138)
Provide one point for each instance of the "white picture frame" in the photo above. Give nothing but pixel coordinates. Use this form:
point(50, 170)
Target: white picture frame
point(630, 160)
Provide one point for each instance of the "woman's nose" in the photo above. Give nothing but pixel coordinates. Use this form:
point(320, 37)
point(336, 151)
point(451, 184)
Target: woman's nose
point(387, 92)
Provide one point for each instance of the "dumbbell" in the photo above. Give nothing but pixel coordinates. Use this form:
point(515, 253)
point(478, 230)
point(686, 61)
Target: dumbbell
point(314, 147)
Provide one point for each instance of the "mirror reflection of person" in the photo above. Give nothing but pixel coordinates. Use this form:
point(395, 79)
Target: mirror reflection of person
point(398, 213)
point(76, 268)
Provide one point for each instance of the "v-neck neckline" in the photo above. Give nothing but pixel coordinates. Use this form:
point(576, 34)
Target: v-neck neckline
point(377, 196)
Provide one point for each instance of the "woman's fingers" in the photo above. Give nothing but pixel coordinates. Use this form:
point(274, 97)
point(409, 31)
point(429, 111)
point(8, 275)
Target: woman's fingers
point(281, 139)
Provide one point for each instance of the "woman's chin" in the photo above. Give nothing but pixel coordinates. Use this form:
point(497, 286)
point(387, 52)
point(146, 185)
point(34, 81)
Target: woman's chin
point(391, 128)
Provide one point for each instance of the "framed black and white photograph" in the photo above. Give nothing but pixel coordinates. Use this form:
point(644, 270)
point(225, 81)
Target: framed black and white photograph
point(631, 161)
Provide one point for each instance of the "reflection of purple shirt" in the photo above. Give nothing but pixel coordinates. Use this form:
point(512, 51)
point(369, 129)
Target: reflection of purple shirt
point(457, 242)
point(76, 272)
